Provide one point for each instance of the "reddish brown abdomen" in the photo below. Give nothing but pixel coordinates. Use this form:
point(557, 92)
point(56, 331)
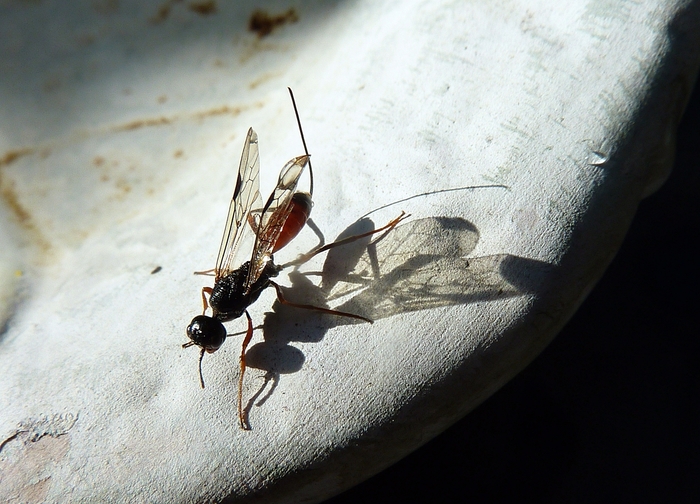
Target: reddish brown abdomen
point(301, 209)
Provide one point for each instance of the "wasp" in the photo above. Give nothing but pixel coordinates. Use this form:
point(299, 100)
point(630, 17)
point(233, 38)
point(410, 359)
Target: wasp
point(274, 224)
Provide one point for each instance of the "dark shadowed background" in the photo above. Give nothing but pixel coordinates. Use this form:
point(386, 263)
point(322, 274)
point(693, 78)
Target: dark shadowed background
point(610, 411)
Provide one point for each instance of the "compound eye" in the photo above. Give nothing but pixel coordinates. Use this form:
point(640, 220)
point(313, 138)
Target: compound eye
point(207, 333)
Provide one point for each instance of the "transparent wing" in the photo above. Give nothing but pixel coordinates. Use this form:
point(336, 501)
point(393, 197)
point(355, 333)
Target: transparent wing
point(245, 196)
point(268, 222)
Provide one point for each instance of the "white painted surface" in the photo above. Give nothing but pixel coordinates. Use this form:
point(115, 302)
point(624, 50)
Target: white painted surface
point(127, 133)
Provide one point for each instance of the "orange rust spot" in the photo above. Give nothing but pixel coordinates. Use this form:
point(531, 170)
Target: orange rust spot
point(142, 123)
point(263, 23)
point(223, 110)
point(98, 161)
point(164, 121)
point(262, 79)
point(22, 215)
point(123, 188)
point(13, 155)
point(204, 8)
point(10, 196)
point(178, 153)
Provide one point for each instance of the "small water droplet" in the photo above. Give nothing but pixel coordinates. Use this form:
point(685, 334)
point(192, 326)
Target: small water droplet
point(598, 158)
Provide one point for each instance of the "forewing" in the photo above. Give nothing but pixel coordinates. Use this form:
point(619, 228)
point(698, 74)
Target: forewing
point(245, 195)
point(270, 220)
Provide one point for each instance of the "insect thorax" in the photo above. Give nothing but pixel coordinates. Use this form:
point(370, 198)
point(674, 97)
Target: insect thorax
point(229, 299)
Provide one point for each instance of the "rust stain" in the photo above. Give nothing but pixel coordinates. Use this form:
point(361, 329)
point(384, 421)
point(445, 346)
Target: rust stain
point(19, 204)
point(166, 120)
point(201, 7)
point(142, 123)
point(257, 46)
point(204, 8)
point(44, 151)
point(13, 155)
point(7, 190)
point(161, 14)
point(223, 110)
point(123, 187)
point(263, 79)
point(8, 193)
point(263, 24)
point(22, 215)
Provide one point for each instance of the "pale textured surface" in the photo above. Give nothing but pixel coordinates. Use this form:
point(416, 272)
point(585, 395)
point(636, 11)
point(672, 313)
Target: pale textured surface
point(127, 133)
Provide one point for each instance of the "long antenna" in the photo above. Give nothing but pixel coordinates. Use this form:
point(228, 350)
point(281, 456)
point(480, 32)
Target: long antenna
point(303, 141)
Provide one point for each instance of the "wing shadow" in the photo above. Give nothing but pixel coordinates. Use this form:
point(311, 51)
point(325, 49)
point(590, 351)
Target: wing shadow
point(419, 265)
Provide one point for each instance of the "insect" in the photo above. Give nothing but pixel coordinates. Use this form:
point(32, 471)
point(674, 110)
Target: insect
point(274, 225)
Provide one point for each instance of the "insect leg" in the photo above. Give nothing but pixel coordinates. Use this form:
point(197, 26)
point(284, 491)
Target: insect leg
point(209, 272)
point(242, 417)
point(207, 290)
point(283, 300)
point(388, 227)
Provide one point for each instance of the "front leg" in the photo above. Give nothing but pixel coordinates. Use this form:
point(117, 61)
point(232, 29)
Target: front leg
point(207, 290)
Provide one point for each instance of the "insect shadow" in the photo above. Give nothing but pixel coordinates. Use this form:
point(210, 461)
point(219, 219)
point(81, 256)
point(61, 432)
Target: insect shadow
point(419, 265)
